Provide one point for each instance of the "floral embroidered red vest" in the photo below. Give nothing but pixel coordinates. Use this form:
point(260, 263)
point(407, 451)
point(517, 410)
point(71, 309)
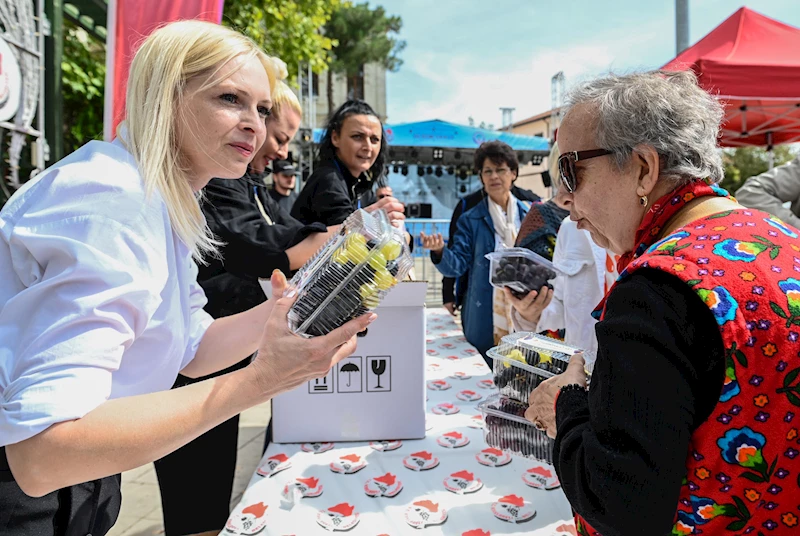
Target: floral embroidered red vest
point(743, 471)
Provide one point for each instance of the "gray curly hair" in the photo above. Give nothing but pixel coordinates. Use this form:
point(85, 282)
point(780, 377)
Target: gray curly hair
point(666, 110)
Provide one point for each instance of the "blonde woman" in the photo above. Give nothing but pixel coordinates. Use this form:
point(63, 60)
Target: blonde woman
point(99, 308)
point(258, 237)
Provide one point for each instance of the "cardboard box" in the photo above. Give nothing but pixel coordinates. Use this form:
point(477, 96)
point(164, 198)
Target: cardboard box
point(378, 393)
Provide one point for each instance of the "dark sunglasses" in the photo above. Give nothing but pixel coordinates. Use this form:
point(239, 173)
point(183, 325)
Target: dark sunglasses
point(566, 165)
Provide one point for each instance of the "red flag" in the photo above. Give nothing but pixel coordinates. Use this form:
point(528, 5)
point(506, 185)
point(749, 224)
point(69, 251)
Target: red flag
point(128, 24)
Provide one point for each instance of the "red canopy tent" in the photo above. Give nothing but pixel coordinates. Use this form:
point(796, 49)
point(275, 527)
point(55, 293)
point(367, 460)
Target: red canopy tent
point(752, 63)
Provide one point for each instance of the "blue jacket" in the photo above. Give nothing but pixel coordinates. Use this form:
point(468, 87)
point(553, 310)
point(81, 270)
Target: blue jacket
point(474, 238)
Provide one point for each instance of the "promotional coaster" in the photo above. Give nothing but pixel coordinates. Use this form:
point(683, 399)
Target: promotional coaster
point(493, 457)
point(486, 384)
point(445, 408)
point(513, 509)
point(385, 446)
point(274, 465)
point(341, 517)
point(541, 477)
point(453, 440)
point(424, 513)
point(387, 486)
point(462, 482)
point(420, 461)
point(468, 396)
point(349, 464)
point(316, 448)
point(302, 488)
point(249, 520)
point(460, 376)
point(438, 385)
point(476, 421)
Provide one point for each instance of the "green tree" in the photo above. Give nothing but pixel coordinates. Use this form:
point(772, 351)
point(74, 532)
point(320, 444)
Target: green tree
point(288, 29)
point(83, 72)
point(363, 35)
point(744, 162)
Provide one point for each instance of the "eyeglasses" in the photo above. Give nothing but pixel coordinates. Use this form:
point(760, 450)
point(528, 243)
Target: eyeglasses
point(502, 172)
point(566, 165)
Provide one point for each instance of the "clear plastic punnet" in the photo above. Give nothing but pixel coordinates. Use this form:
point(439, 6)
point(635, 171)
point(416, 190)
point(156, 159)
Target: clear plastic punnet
point(506, 428)
point(521, 270)
point(349, 275)
point(524, 360)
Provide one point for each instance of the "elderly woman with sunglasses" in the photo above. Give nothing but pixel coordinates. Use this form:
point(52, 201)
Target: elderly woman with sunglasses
point(687, 426)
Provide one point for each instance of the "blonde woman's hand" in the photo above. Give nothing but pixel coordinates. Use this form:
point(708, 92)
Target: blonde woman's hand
point(433, 242)
point(542, 411)
point(531, 305)
point(286, 360)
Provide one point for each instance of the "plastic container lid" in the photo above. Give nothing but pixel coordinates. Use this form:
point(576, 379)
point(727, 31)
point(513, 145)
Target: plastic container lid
point(349, 275)
point(524, 360)
point(506, 428)
point(520, 269)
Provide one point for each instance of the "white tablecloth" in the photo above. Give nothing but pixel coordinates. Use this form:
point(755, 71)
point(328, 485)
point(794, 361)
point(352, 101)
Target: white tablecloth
point(424, 495)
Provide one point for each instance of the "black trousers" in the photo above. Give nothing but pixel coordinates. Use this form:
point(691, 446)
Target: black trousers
point(89, 508)
point(196, 481)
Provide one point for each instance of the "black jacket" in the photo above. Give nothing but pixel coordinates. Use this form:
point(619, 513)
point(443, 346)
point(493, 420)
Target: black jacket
point(253, 247)
point(332, 194)
point(454, 289)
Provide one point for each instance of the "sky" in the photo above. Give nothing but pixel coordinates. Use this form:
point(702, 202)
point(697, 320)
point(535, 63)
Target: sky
point(467, 58)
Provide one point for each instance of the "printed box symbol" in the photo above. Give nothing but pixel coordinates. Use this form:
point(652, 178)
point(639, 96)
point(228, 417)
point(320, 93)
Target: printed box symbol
point(349, 372)
point(379, 373)
point(322, 385)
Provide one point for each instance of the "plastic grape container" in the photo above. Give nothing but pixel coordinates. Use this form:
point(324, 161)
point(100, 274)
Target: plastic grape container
point(506, 428)
point(521, 270)
point(524, 360)
point(349, 275)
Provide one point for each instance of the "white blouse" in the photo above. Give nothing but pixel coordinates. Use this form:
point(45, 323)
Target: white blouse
point(587, 272)
point(98, 296)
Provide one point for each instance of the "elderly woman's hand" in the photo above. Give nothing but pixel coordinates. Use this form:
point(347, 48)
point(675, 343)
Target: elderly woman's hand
point(433, 242)
point(542, 411)
point(286, 360)
point(531, 305)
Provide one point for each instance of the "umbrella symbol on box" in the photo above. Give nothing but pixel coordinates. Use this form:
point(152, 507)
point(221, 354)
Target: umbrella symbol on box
point(349, 368)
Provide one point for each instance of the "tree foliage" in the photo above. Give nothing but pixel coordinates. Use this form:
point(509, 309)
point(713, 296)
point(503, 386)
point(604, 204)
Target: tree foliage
point(288, 29)
point(83, 72)
point(744, 162)
point(363, 35)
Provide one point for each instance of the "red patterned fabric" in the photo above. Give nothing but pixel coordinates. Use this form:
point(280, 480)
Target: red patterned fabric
point(742, 465)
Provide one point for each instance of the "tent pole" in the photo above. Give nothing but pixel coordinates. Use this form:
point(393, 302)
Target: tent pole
point(770, 151)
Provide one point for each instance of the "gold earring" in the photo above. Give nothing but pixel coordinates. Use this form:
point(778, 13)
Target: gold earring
point(643, 200)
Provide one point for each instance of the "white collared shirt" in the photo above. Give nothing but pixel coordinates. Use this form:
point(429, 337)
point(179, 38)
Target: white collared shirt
point(98, 296)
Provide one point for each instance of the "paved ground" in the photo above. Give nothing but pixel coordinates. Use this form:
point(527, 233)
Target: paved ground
point(141, 502)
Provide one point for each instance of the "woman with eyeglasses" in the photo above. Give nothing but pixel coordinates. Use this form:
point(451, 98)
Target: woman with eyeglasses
point(491, 225)
point(689, 424)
